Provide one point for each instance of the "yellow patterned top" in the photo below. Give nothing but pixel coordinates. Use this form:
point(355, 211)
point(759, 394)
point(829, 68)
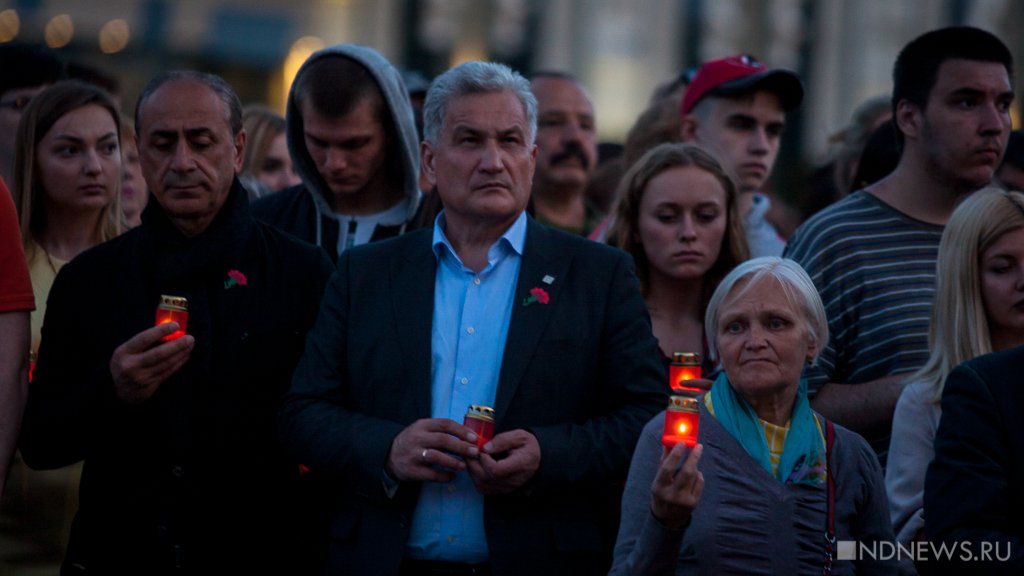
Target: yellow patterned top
point(774, 435)
point(776, 438)
point(42, 268)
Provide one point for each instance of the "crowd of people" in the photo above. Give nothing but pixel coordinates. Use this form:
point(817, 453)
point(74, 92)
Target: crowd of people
point(236, 342)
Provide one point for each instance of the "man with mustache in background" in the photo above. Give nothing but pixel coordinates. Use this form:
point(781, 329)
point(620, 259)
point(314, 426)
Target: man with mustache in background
point(566, 153)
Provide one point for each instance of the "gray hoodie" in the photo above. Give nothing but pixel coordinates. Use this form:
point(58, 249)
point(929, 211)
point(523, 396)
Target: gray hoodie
point(304, 210)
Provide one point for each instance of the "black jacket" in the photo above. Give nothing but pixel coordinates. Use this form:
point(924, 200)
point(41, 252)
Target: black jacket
point(974, 488)
point(193, 477)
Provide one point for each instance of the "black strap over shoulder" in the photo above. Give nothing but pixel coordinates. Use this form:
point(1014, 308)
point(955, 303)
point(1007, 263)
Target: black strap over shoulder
point(830, 528)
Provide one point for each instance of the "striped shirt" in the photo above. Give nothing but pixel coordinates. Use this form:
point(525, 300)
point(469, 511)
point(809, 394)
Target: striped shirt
point(875, 270)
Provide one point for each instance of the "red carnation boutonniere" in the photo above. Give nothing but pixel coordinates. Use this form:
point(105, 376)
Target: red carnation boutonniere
point(235, 278)
point(536, 295)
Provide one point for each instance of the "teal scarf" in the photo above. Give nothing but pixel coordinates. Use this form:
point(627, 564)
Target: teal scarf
point(803, 454)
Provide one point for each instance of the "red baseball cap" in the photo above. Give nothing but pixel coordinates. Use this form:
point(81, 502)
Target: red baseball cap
point(739, 74)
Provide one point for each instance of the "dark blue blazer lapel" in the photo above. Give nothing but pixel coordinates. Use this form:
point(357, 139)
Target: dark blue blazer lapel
point(545, 265)
point(412, 289)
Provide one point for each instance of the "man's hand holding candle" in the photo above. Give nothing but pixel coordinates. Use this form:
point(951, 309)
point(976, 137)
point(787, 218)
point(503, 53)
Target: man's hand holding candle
point(145, 361)
point(429, 450)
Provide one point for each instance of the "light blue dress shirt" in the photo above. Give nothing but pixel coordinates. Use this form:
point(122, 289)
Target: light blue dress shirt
point(470, 323)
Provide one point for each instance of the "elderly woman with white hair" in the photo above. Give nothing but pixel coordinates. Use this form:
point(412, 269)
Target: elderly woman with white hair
point(770, 485)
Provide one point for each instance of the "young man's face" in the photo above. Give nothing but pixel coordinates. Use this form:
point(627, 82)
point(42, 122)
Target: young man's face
point(743, 132)
point(349, 151)
point(963, 130)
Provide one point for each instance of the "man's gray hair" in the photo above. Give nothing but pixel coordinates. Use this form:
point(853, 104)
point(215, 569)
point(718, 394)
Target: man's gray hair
point(796, 284)
point(475, 78)
point(218, 85)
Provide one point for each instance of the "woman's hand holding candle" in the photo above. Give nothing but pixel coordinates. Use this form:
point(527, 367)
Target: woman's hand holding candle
point(676, 490)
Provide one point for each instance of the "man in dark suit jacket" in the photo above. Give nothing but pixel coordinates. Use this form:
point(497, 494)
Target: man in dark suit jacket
point(490, 308)
point(974, 489)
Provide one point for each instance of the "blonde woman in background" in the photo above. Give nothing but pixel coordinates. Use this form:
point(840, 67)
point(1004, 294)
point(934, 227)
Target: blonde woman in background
point(266, 164)
point(134, 192)
point(979, 308)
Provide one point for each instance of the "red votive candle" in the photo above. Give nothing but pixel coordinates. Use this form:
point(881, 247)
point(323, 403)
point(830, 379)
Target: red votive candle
point(682, 419)
point(480, 419)
point(684, 366)
point(173, 309)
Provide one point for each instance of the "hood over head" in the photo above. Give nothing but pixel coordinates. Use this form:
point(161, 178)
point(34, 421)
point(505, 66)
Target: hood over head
point(396, 100)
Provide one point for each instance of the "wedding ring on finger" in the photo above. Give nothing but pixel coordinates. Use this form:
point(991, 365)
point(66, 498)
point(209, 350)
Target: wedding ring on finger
point(423, 455)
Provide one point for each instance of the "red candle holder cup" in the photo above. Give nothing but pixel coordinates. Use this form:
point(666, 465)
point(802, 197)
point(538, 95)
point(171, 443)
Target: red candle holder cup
point(173, 309)
point(682, 418)
point(480, 419)
point(682, 421)
point(684, 366)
